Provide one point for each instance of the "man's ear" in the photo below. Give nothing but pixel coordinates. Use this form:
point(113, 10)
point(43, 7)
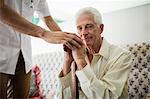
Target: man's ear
point(101, 27)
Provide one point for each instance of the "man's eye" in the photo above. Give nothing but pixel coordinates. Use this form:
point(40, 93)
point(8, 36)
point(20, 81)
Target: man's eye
point(89, 26)
point(79, 28)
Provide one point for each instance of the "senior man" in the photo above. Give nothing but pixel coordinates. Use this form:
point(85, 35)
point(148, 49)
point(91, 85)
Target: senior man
point(102, 68)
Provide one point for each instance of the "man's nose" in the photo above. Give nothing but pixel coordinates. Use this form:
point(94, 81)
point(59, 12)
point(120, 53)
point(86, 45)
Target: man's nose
point(84, 32)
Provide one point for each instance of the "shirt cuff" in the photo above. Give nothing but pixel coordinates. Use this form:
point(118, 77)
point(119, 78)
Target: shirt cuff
point(88, 79)
point(66, 80)
point(85, 75)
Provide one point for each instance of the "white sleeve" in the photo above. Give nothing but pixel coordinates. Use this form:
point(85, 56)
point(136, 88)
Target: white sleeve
point(42, 8)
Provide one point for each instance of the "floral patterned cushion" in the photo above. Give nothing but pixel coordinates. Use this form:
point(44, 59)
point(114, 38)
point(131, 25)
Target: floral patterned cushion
point(139, 77)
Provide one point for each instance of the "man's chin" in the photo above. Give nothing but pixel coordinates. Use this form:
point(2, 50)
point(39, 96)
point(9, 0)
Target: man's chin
point(88, 44)
point(90, 49)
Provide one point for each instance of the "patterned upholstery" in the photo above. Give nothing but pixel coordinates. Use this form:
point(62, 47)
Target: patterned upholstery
point(139, 77)
point(50, 65)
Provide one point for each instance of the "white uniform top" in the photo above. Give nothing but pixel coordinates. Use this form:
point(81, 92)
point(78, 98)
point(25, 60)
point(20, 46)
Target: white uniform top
point(12, 42)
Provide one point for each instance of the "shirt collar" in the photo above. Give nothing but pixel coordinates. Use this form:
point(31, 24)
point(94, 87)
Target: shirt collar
point(104, 50)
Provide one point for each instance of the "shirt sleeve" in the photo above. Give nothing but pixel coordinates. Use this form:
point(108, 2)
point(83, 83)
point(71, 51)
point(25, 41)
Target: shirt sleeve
point(42, 8)
point(64, 89)
point(66, 80)
point(111, 85)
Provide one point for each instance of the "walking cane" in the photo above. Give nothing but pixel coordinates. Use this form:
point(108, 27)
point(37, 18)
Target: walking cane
point(76, 81)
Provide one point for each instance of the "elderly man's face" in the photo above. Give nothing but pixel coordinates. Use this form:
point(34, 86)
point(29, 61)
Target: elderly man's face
point(88, 30)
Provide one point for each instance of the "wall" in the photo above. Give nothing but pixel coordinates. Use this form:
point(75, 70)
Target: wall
point(149, 21)
point(128, 26)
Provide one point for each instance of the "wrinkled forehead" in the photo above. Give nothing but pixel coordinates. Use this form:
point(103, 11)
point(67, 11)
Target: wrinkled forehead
point(84, 19)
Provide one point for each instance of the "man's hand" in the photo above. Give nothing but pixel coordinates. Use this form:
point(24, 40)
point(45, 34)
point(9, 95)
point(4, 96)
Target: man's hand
point(68, 59)
point(69, 39)
point(79, 55)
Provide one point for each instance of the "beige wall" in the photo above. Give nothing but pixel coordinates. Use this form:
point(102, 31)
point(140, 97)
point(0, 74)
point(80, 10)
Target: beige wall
point(128, 26)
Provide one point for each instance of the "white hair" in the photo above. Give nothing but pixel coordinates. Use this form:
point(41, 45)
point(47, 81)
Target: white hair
point(90, 10)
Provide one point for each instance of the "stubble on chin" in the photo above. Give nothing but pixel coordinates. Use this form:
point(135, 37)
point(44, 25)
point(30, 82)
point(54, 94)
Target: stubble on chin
point(90, 49)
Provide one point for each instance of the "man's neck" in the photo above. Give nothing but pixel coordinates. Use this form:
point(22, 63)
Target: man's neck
point(94, 49)
point(90, 56)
